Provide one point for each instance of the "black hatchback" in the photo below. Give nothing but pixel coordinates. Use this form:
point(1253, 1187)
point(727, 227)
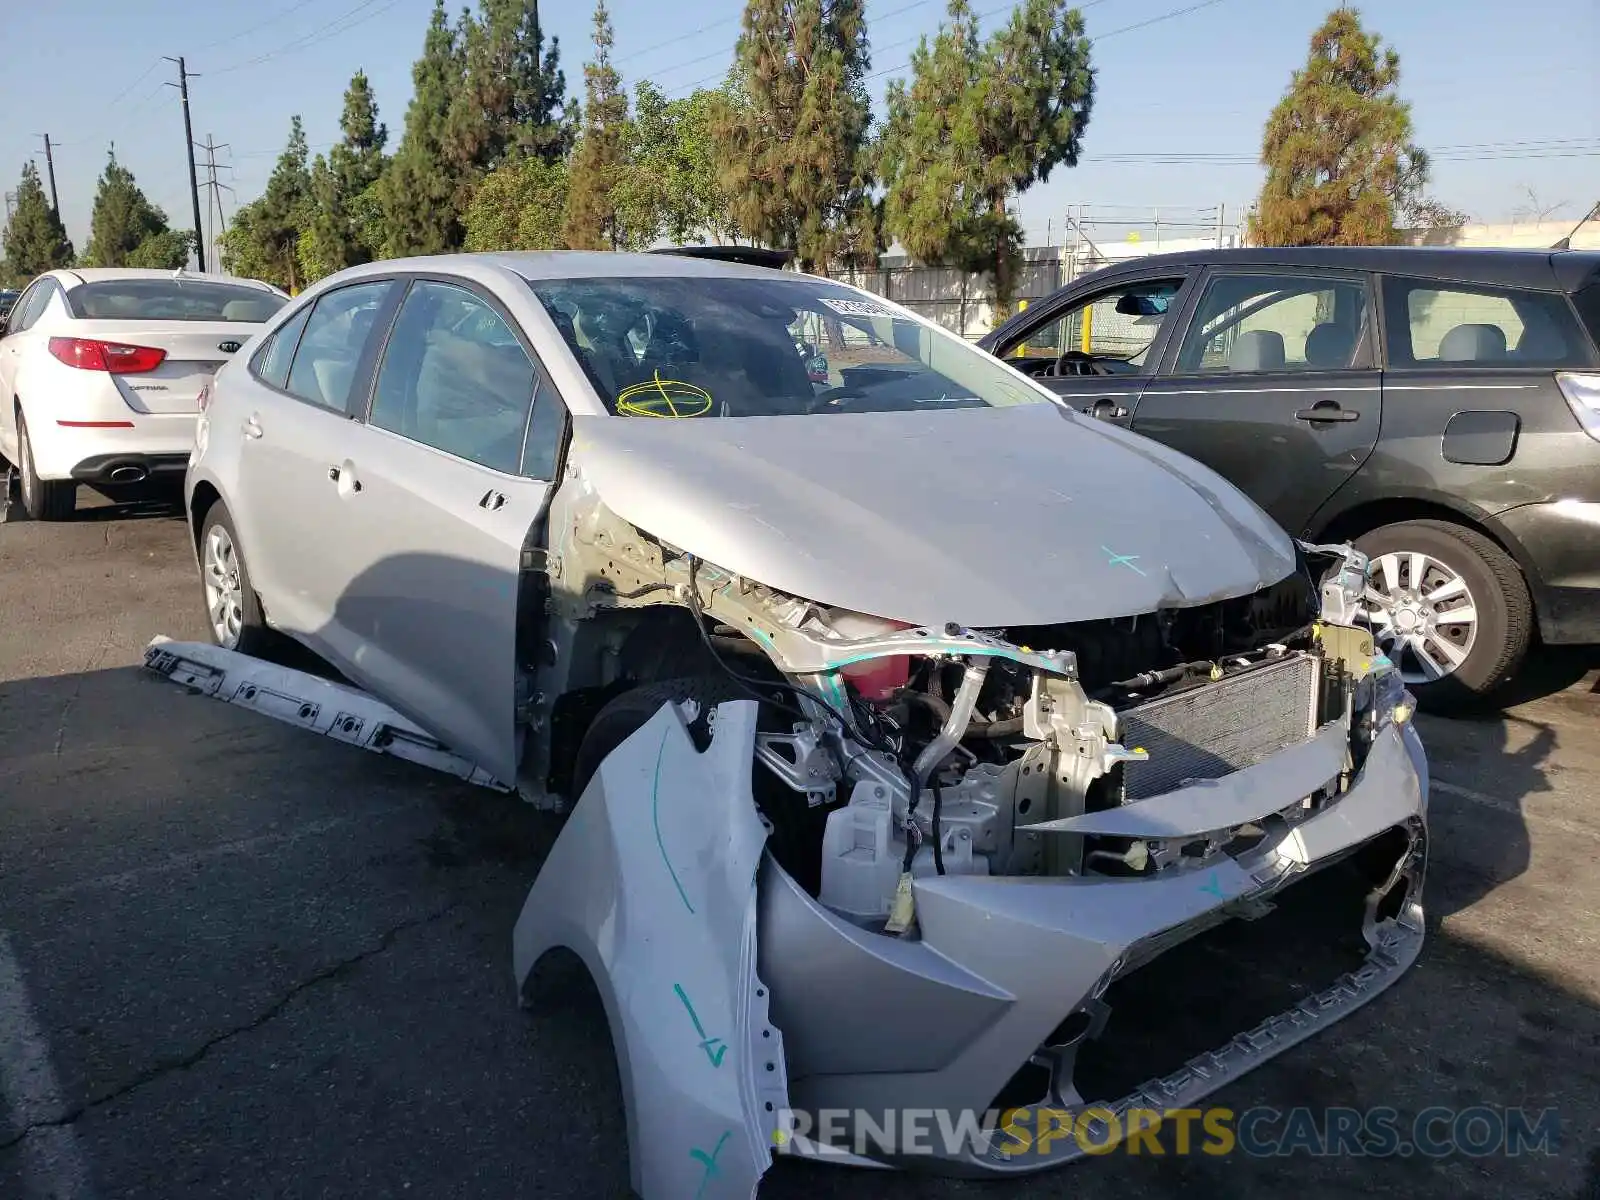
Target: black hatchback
point(1438, 407)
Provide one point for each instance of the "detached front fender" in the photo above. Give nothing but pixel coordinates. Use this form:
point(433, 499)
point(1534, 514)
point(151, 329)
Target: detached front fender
point(652, 883)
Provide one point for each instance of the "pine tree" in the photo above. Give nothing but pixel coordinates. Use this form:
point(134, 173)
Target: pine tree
point(792, 152)
point(594, 218)
point(513, 99)
point(418, 193)
point(35, 240)
point(335, 238)
point(1338, 151)
point(980, 124)
point(123, 217)
point(264, 239)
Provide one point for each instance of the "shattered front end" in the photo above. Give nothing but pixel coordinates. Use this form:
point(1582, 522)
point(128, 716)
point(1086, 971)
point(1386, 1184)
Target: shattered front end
point(942, 869)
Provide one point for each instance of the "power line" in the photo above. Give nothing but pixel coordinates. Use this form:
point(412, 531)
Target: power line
point(315, 35)
point(249, 29)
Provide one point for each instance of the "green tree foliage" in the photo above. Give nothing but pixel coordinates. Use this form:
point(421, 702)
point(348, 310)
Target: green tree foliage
point(980, 123)
point(521, 205)
point(597, 216)
point(792, 137)
point(418, 194)
point(672, 173)
point(164, 251)
point(513, 94)
point(1340, 161)
point(124, 220)
point(35, 240)
point(341, 189)
point(264, 240)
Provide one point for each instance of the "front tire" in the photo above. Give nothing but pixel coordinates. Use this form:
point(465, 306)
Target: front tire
point(1450, 608)
point(233, 611)
point(42, 499)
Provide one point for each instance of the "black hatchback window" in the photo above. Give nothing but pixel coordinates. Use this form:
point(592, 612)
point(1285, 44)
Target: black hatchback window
point(1433, 324)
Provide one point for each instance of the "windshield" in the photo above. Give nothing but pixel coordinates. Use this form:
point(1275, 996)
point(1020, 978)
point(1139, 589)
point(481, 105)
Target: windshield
point(172, 300)
point(731, 347)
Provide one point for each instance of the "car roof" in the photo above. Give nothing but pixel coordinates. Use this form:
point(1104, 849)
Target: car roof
point(1511, 268)
point(72, 277)
point(534, 265)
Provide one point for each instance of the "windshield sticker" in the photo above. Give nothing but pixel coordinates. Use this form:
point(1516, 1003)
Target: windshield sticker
point(855, 308)
point(658, 397)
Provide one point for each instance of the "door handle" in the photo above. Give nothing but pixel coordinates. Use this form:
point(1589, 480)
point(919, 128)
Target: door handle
point(1328, 410)
point(346, 480)
point(492, 500)
point(252, 427)
point(1104, 408)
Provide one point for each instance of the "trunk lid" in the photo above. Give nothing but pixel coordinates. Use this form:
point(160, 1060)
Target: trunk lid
point(194, 351)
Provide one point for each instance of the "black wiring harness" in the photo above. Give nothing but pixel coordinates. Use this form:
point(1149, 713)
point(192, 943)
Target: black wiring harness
point(868, 724)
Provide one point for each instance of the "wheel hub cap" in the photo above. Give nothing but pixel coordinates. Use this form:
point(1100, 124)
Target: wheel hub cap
point(1422, 613)
point(224, 594)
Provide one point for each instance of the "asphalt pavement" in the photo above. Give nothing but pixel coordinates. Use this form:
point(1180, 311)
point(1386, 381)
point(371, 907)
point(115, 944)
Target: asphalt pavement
point(238, 960)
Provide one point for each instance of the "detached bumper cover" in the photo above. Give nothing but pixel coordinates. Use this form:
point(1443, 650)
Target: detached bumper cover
point(874, 1023)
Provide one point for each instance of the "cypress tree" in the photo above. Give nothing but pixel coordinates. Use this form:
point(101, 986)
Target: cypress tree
point(35, 240)
point(1337, 148)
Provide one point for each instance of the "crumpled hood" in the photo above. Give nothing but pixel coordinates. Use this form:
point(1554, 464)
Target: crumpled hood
point(1027, 515)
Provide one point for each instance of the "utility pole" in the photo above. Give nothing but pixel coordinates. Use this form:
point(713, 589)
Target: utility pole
point(11, 198)
point(215, 188)
point(188, 153)
point(50, 169)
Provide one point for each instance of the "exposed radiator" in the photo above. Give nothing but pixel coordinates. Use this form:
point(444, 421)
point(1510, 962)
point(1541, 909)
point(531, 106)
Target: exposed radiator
point(1217, 729)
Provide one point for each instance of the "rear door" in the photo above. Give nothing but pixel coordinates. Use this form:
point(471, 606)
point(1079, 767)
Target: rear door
point(297, 425)
point(1097, 347)
point(1469, 388)
point(1273, 384)
point(454, 467)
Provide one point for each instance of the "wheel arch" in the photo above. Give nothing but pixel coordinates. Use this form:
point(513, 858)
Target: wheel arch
point(1350, 523)
point(202, 498)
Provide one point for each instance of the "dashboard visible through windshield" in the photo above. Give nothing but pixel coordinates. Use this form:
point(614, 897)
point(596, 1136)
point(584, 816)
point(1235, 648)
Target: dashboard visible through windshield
point(683, 347)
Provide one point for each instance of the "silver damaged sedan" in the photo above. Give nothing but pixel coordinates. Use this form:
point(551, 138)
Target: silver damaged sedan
point(922, 744)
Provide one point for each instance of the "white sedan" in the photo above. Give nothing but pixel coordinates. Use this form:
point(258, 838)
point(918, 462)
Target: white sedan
point(102, 370)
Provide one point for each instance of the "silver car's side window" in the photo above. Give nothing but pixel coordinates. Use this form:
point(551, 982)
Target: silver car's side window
point(547, 427)
point(324, 367)
point(455, 377)
point(271, 364)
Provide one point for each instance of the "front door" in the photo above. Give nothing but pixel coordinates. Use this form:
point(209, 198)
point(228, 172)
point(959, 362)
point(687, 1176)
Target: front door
point(454, 468)
point(1096, 349)
point(1273, 384)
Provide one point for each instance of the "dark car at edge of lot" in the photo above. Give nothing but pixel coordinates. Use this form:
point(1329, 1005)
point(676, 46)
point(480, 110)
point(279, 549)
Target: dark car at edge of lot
point(1439, 407)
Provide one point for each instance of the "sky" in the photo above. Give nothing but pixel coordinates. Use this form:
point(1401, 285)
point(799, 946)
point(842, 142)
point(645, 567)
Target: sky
point(1507, 97)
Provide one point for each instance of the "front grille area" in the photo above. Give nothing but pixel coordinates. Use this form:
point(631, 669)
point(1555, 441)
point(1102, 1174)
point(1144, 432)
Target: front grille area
point(1219, 728)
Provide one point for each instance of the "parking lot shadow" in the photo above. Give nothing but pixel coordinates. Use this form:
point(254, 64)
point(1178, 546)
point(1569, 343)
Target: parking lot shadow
point(162, 501)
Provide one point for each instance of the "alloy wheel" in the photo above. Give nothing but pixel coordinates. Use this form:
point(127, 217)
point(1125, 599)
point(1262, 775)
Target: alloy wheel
point(224, 591)
point(1423, 615)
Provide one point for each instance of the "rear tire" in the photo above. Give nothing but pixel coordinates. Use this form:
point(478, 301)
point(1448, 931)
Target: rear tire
point(233, 611)
point(42, 499)
point(1469, 602)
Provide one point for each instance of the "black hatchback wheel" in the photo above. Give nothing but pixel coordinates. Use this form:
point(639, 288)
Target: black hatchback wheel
point(1449, 607)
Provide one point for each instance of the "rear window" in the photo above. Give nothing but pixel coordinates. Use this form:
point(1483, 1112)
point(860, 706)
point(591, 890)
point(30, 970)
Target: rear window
point(1432, 324)
point(171, 300)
